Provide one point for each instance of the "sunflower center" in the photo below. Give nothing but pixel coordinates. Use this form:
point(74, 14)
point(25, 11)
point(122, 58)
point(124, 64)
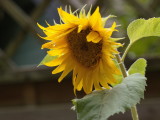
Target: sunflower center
point(86, 53)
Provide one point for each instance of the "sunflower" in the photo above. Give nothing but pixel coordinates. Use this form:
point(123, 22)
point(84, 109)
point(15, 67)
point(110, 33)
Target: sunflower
point(84, 47)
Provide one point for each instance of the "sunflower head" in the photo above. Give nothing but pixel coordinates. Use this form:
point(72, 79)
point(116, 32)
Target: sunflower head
point(82, 45)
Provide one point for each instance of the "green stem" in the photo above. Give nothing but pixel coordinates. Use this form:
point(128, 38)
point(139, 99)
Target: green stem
point(125, 52)
point(134, 113)
point(124, 73)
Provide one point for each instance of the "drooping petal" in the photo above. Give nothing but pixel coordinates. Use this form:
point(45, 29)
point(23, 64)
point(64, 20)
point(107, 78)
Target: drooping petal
point(93, 37)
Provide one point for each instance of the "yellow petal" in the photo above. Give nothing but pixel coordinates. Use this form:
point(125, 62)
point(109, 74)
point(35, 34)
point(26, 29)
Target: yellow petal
point(79, 28)
point(56, 35)
point(63, 65)
point(96, 80)
point(110, 30)
point(85, 85)
point(77, 82)
point(89, 81)
point(114, 70)
point(104, 83)
point(68, 67)
point(60, 43)
point(95, 19)
point(93, 37)
point(60, 68)
point(58, 52)
point(40, 26)
point(65, 72)
point(78, 78)
point(80, 85)
point(113, 26)
point(83, 24)
point(54, 62)
point(103, 79)
point(66, 17)
point(49, 45)
point(56, 43)
point(74, 76)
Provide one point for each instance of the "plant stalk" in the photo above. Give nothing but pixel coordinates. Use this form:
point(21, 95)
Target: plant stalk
point(124, 73)
point(134, 113)
point(125, 52)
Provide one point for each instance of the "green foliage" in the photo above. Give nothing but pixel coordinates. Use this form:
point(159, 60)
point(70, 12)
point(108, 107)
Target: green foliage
point(141, 28)
point(46, 59)
point(138, 67)
point(147, 32)
point(150, 47)
point(100, 105)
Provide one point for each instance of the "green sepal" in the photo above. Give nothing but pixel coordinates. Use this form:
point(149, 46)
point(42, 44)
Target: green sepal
point(115, 39)
point(46, 59)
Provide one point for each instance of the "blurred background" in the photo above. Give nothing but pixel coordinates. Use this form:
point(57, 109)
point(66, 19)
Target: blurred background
point(28, 92)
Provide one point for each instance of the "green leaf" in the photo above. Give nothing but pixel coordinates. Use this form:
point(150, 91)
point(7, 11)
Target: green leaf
point(138, 67)
point(150, 47)
point(141, 28)
point(46, 59)
point(100, 105)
